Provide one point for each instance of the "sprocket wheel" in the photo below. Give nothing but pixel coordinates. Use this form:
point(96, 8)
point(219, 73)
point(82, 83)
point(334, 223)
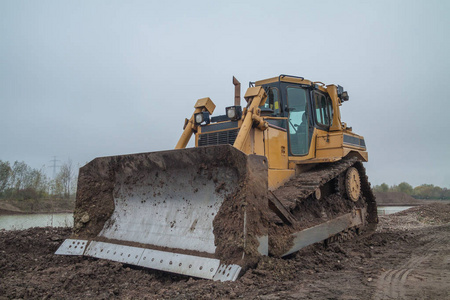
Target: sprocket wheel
point(353, 184)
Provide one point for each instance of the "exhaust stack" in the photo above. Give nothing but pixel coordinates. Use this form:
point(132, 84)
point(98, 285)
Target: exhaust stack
point(237, 92)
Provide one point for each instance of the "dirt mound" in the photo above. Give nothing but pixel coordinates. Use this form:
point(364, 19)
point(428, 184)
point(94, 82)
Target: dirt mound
point(417, 217)
point(350, 270)
point(396, 198)
point(433, 214)
point(31, 270)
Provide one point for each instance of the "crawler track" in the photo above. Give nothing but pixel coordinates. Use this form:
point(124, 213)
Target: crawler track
point(298, 196)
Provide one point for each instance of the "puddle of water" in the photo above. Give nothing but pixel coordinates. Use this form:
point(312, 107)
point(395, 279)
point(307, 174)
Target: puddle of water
point(387, 210)
point(19, 222)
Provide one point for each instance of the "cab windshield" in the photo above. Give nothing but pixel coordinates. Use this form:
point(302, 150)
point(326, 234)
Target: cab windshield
point(299, 139)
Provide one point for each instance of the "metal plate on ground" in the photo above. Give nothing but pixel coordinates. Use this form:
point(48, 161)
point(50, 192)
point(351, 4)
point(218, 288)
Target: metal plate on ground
point(72, 247)
point(120, 253)
point(202, 267)
point(227, 273)
point(196, 266)
point(180, 263)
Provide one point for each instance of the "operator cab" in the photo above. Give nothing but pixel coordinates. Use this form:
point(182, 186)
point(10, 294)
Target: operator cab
point(297, 111)
point(298, 106)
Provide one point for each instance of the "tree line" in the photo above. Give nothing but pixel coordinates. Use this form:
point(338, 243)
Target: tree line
point(424, 191)
point(19, 181)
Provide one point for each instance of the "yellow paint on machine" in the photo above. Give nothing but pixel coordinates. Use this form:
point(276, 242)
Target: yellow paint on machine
point(258, 136)
point(276, 148)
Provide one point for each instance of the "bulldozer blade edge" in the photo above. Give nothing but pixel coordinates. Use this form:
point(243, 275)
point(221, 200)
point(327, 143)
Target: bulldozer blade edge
point(160, 210)
point(201, 267)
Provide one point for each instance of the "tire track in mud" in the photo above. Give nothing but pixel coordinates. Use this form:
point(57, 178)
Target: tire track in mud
point(391, 283)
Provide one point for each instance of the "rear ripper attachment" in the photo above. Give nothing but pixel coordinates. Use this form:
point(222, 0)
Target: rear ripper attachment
point(198, 212)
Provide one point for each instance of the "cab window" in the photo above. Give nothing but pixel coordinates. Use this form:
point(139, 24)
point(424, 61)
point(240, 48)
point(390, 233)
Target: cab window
point(273, 101)
point(323, 110)
point(299, 136)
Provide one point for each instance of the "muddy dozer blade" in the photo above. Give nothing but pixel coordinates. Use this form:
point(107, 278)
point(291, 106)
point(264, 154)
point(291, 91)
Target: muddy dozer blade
point(198, 211)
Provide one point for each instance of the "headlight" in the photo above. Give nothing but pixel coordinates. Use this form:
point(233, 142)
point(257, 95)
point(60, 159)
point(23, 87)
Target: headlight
point(202, 117)
point(199, 118)
point(231, 113)
point(234, 112)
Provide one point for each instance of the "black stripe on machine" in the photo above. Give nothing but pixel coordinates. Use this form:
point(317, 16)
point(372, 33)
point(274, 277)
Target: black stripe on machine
point(354, 141)
point(218, 138)
point(219, 126)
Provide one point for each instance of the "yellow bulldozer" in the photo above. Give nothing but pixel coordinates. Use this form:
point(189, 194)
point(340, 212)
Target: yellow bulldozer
point(279, 174)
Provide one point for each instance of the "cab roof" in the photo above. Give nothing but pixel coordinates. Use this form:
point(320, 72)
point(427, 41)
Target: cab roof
point(292, 79)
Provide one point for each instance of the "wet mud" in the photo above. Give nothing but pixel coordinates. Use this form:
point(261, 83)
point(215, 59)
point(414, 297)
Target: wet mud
point(406, 258)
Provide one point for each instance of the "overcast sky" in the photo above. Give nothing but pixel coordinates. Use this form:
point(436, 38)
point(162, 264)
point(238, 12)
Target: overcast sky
point(82, 79)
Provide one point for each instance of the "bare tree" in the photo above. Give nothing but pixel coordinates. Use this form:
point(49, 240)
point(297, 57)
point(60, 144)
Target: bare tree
point(19, 175)
point(64, 181)
point(20, 181)
point(5, 174)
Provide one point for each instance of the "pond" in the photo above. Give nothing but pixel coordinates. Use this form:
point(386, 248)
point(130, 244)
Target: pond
point(19, 222)
point(387, 210)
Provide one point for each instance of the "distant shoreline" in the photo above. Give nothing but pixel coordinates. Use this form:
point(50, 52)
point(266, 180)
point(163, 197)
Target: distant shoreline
point(47, 206)
point(5, 212)
point(402, 199)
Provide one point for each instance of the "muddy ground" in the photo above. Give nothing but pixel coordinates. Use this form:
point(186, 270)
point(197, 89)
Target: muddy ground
point(407, 258)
